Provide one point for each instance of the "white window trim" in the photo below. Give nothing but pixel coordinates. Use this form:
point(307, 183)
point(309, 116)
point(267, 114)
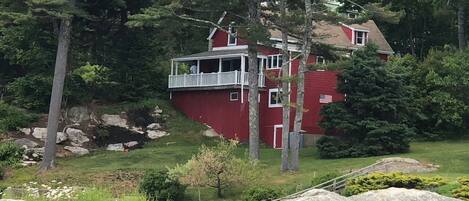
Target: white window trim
point(237, 96)
point(323, 59)
point(229, 37)
point(270, 98)
point(271, 58)
point(364, 39)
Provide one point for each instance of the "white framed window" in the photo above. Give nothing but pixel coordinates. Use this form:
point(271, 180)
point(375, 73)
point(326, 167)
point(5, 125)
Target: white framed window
point(361, 37)
point(234, 96)
point(274, 98)
point(274, 61)
point(320, 60)
point(323, 98)
point(232, 36)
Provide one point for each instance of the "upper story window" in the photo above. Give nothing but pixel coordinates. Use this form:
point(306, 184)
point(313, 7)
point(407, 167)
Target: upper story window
point(274, 61)
point(361, 37)
point(274, 98)
point(232, 36)
point(320, 60)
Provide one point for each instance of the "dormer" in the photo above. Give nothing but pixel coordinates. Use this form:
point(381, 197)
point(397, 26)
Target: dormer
point(358, 35)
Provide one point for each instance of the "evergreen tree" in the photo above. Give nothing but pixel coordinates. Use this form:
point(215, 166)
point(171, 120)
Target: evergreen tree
point(372, 119)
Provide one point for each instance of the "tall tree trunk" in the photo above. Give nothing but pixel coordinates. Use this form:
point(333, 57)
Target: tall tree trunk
point(285, 87)
point(461, 31)
point(254, 19)
point(300, 93)
point(48, 161)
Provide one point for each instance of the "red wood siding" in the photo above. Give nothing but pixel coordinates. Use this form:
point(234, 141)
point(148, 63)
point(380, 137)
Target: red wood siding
point(220, 39)
point(348, 32)
point(215, 109)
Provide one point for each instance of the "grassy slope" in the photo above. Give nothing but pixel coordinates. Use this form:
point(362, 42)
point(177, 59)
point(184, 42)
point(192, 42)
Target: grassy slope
point(120, 171)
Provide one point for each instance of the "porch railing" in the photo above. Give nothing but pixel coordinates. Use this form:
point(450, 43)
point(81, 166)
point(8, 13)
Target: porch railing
point(211, 79)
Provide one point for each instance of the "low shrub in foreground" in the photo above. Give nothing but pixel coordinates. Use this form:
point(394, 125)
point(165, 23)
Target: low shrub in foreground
point(463, 191)
point(159, 186)
point(261, 194)
point(10, 156)
point(378, 181)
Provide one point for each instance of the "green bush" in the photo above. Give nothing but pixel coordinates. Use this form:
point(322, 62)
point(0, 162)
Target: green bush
point(33, 92)
point(159, 186)
point(377, 181)
point(261, 194)
point(323, 178)
point(463, 191)
point(10, 156)
point(12, 118)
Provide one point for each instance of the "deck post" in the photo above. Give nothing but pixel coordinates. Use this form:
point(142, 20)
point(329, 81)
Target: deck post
point(177, 67)
point(219, 70)
point(243, 65)
point(200, 81)
point(184, 83)
point(236, 77)
point(198, 66)
point(172, 67)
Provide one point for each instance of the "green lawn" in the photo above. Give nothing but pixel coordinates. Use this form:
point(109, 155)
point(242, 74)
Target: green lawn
point(121, 171)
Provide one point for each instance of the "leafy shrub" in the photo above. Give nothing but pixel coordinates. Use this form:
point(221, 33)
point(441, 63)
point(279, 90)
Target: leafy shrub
point(218, 167)
point(261, 194)
point(12, 118)
point(10, 154)
point(463, 191)
point(2, 188)
point(377, 181)
point(323, 178)
point(159, 186)
point(33, 92)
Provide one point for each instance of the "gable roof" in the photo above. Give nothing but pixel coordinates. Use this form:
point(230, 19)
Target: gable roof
point(332, 34)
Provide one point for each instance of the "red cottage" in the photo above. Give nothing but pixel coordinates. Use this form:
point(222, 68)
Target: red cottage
point(212, 87)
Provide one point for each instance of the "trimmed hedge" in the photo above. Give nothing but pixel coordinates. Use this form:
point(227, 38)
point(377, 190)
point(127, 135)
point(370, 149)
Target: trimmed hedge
point(378, 181)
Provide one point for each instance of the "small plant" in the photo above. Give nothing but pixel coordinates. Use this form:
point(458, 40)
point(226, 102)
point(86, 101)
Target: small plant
point(261, 194)
point(217, 167)
point(159, 186)
point(377, 181)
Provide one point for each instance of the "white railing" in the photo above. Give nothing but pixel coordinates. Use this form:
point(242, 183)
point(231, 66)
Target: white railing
point(210, 79)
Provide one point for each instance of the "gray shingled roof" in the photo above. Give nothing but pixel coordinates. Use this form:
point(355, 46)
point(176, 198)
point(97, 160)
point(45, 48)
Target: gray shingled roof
point(214, 54)
point(332, 34)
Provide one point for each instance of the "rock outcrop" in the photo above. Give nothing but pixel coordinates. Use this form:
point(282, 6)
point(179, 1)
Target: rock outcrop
point(26, 143)
point(76, 136)
point(317, 195)
point(41, 134)
point(156, 134)
point(79, 151)
point(390, 194)
point(398, 194)
point(114, 120)
point(115, 147)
